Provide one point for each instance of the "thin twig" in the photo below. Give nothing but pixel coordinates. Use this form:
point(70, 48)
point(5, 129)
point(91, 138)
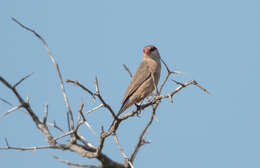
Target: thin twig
point(101, 141)
point(21, 80)
point(95, 108)
point(5, 101)
point(82, 150)
point(55, 126)
point(141, 140)
point(198, 85)
point(80, 114)
point(8, 85)
point(177, 72)
point(64, 135)
point(94, 94)
point(84, 120)
point(57, 68)
point(26, 105)
point(75, 164)
point(102, 100)
point(27, 148)
point(90, 128)
point(169, 72)
point(182, 85)
point(8, 147)
point(156, 99)
point(167, 68)
point(11, 110)
point(80, 110)
point(127, 70)
point(96, 84)
point(45, 113)
point(122, 151)
point(81, 86)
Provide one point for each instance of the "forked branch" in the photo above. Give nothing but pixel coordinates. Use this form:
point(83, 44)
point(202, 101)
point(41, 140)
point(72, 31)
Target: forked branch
point(79, 143)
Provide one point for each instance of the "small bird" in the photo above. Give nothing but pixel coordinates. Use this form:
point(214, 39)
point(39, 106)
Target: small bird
point(145, 79)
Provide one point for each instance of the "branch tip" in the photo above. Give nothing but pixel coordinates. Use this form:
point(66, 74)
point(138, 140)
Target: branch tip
point(127, 70)
point(21, 80)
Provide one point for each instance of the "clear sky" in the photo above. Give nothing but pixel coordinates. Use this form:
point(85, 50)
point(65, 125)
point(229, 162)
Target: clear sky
point(213, 42)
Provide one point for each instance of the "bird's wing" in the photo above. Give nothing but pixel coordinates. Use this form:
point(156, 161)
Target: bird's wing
point(141, 75)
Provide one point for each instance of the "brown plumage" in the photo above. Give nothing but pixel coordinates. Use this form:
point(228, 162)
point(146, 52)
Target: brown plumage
point(145, 78)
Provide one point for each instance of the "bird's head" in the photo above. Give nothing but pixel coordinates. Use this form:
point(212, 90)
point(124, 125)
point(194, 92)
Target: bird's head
point(151, 51)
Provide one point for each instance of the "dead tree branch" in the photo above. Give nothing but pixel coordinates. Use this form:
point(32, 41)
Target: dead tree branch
point(76, 164)
point(78, 143)
point(57, 68)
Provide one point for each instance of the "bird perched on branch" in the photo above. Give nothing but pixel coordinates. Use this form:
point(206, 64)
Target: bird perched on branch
point(145, 79)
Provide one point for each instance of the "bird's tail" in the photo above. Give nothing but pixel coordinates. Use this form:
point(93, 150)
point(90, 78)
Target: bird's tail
point(124, 106)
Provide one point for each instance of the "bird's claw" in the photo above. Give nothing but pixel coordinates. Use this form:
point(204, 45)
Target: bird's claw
point(138, 110)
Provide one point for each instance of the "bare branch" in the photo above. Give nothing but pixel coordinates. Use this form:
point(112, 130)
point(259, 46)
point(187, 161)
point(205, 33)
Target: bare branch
point(55, 126)
point(182, 85)
point(202, 88)
point(96, 84)
point(21, 80)
point(127, 69)
point(45, 113)
point(164, 82)
point(141, 140)
point(95, 108)
point(156, 99)
point(81, 86)
point(8, 85)
point(122, 151)
point(101, 141)
point(178, 83)
point(5, 101)
point(169, 72)
point(94, 94)
point(167, 68)
point(119, 146)
point(80, 111)
point(84, 120)
point(11, 110)
point(106, 105)
point(177, 72)
point(6, 142)
point(102, 100)
point(64, 135)
point(26, 105)
point(90, 128)
point(68, 121)
point(57, 68)
point(76, 164)
point(7, 147)
point(77, 142)
point(27, 148)
point(170, 98)
point(80, 115)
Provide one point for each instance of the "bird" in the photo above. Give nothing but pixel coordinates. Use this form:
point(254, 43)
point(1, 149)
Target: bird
point(145, 79)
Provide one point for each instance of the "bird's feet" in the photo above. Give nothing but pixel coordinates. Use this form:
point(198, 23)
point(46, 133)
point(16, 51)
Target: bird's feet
point(138, 110)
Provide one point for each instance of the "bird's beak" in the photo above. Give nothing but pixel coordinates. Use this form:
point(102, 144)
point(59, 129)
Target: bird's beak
point(146, 51)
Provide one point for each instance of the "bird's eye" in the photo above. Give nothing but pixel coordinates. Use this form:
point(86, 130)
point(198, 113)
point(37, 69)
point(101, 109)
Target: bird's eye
point(153, 48)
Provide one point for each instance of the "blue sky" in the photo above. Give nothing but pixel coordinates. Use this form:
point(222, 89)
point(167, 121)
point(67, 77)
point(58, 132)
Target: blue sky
point(213, 42)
